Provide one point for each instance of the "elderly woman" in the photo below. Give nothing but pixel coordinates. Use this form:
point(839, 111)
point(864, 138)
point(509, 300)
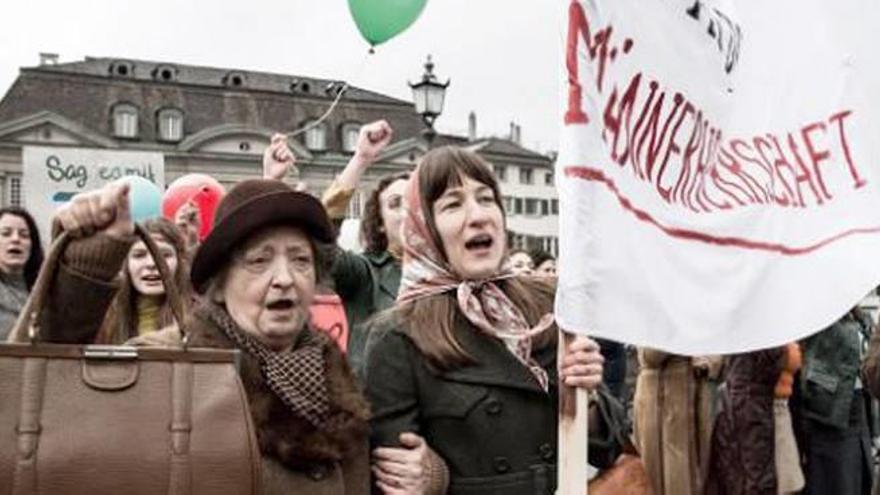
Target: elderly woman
point(466, 361)
point(367, 282)
point(257, 271)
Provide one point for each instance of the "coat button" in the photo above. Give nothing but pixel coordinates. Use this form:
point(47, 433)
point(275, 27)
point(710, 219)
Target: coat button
point(317, 473)
point(493, 407)
point(546, 451)
point(502, 465)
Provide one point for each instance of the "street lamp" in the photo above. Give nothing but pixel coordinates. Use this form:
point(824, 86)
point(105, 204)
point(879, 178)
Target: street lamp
point(428, 96)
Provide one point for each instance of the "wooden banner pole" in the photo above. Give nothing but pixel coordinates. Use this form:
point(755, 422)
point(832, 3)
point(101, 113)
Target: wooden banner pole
point(573, 433)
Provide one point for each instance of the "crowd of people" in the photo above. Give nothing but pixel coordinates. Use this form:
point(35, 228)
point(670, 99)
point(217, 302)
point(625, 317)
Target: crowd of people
point(449, 378)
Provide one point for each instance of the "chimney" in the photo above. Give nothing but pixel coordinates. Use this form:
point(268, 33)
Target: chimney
point(515, 133)
point(472, 126)
point(48, 58)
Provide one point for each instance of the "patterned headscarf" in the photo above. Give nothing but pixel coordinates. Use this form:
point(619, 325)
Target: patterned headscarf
point(483, 303)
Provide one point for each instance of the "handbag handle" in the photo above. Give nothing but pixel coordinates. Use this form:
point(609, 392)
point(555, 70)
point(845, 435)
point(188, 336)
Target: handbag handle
point(28, 322)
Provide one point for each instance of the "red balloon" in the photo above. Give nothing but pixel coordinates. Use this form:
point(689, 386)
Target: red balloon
point(201, 190)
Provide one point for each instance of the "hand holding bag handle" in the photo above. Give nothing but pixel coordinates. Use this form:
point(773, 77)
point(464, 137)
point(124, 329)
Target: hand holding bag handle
point(27, 327)
point(210, 441)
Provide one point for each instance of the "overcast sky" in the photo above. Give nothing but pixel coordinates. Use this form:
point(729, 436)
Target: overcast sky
point(501, 55)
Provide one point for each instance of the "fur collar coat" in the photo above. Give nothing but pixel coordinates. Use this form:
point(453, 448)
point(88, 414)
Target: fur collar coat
point(334, 455)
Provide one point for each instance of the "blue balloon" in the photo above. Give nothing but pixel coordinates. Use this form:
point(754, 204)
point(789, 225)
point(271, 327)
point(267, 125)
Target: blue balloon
point(144, 199)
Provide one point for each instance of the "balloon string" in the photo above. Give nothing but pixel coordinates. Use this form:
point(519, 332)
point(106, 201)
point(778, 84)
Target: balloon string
point(339, 95)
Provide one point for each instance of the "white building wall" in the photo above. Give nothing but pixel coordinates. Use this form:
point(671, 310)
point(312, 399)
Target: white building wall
point(531, 224)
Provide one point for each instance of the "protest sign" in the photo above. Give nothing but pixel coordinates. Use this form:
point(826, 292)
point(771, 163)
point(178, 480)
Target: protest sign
point(53, 175)
point(718, 171)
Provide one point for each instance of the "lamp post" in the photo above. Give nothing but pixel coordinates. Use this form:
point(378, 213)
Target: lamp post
point(428, 96)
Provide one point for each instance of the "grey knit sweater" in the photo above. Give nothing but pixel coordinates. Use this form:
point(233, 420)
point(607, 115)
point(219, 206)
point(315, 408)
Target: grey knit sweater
point(13, 294)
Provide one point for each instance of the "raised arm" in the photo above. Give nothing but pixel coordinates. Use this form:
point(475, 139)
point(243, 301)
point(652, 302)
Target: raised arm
point(87, 279)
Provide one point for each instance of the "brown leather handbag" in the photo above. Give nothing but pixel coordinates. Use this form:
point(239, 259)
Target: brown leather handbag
point(121, 419)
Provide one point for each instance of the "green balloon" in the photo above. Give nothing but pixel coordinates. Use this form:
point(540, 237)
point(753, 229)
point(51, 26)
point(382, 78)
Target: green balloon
point(380, 20)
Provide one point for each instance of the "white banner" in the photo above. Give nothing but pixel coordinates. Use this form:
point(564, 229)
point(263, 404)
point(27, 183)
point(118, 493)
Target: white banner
point(719, 172)
point(52, 175)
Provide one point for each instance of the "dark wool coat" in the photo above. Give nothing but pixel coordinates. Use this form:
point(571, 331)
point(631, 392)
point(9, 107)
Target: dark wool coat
point(491, 421)
point(742, 458)
point(295, 457)
point(367, 284)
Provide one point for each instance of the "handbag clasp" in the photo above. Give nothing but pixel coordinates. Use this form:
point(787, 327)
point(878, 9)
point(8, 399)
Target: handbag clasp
point(110, 352)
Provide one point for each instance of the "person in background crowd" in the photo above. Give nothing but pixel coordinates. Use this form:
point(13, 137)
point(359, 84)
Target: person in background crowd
point(190, 203)
point(742, 457)
point(187, 220)
point(21, 256)
point(257, 272)
point(870, 372)
point(832, 406)
point(672, 408)
point(789, 474)
point(545, 263)
point(368, 282)
point(520, 262)
point(467, 356)
point(141, 305)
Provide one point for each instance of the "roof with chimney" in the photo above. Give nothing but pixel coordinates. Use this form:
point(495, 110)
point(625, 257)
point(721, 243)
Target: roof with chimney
point(85, 93)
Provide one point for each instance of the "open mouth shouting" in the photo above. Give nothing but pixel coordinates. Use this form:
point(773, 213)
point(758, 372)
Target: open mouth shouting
point(282, 307)
point(152, 281)
point(480, 244)
point(15, 252)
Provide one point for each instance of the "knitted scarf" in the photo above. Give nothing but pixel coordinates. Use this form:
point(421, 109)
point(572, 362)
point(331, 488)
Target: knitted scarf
point(296, 376)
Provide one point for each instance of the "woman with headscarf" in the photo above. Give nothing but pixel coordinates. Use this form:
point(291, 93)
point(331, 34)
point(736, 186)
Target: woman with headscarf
point(466, 363)
point(257, 272)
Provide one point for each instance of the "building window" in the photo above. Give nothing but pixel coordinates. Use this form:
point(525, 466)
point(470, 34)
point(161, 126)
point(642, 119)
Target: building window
point(554, 207)
point(515, 241)
point(533, 206)
point(125, 121)
point(234, 79)
point(525, 176)
point(350, 133)
point(355, 206)
point(548, 179)
point(500, 172)
point(316, 137)
point(13, 192)
point(545, 207)
point(165, 73)
point(517, 206)
point(507, 201)
point(122, 68)
point(170, 125)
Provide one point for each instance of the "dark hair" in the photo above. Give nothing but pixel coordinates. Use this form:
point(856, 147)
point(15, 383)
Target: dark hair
point(518, 251)
point(430, 321)
point(539, 256)
point(372, 231)
point(35, 260)
point(121, 320)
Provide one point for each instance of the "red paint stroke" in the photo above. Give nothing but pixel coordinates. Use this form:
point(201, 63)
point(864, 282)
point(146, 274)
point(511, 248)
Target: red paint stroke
point(595, 175)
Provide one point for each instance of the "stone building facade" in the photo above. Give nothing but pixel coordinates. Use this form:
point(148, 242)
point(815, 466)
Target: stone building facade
point(218, 121)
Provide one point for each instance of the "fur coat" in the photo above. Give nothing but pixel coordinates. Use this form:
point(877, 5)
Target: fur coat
point(296, 456)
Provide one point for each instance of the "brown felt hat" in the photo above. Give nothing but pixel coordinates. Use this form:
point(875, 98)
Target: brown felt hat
point(248, 207)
